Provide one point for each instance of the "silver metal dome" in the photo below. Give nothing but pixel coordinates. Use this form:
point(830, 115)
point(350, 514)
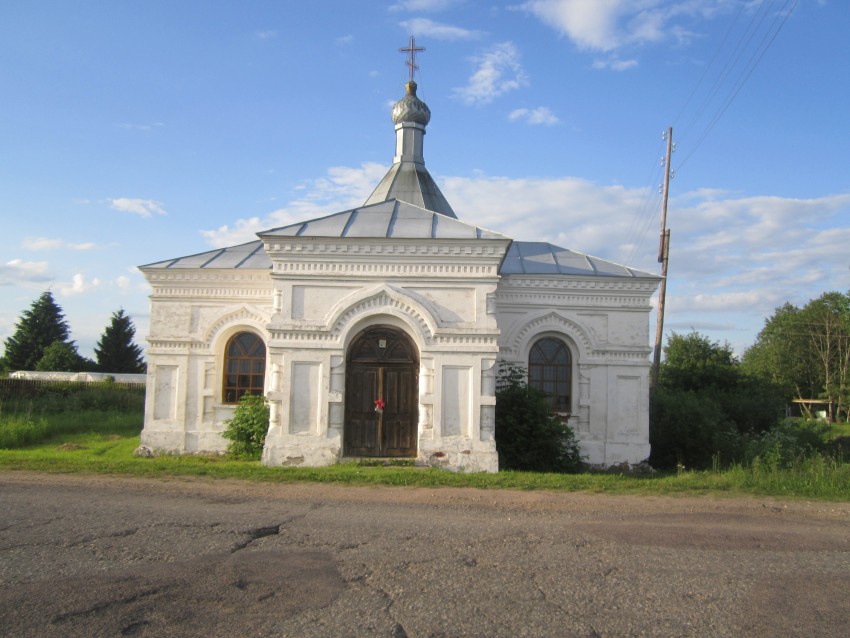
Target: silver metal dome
point(410, 108)
point(408, 180)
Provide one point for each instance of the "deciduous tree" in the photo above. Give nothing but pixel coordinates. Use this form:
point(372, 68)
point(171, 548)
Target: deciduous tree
point(807, 351)
point(61, 356)
point(705, 407)
point(694, 362)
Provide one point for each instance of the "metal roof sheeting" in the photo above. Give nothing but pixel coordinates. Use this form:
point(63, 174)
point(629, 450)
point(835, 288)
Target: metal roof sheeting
point(542, 258)
point(391, 219)
point(249, 256)
point(411, 182)
point(400, 220)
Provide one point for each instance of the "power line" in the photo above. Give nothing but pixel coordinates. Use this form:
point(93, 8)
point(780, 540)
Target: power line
point(732, 59)
point(780, 18)
point(647, 213)
point(709, 65)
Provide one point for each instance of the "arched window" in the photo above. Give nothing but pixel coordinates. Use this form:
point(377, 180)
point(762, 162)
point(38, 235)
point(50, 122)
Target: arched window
point(244, 366)
point(550, 370)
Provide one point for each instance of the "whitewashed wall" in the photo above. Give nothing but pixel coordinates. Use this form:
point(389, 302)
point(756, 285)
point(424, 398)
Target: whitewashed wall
point(605, 323)
point(193, 314)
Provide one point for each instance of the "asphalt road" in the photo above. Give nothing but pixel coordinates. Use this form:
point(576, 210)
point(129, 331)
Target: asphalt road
point(96, 556)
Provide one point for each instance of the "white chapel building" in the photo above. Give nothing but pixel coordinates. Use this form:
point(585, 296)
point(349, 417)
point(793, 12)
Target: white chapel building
point(396, 304)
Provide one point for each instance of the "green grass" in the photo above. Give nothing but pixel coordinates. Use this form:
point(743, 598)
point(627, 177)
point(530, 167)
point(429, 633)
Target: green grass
point(102, 441)
point(18, 430)
point(839, 430)
point(110, 453)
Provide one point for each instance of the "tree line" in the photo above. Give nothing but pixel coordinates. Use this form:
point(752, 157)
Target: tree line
point(711, 408)
point(41, 342)
point(806, 352)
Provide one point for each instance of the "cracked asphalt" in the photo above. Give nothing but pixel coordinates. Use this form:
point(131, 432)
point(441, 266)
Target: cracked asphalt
point(104, 556)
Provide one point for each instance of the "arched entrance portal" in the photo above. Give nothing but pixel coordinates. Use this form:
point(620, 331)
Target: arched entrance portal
point(382, 363)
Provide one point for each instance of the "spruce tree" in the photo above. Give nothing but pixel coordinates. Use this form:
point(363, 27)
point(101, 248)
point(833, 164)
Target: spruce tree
point(39, 327)
point(116, 351)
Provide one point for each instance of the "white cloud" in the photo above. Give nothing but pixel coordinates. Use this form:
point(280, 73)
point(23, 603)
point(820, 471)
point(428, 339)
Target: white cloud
point(572, 212)
point(77, 285)
point(733, 258)
point(437, 30)
point(344, 40)
point(341, 189)
point(18, 272)
point(744, 256)
point(606, 25)
point(540, 115)
point(725, 302)
point(498, 72)
point(267, 34)
point(143, 207)
point(590, 25)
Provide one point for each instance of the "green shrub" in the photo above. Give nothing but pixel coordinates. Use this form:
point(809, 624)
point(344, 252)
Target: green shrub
point(528, 436)
point(788, 442)
point(705, 411)
point(691, 429)
point(754, 405)
point(248, 428)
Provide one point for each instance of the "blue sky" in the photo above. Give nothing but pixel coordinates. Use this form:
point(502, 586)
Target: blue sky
point(132, 132)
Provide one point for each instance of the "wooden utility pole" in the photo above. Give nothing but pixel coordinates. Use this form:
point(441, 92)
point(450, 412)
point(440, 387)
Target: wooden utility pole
point(663, 256)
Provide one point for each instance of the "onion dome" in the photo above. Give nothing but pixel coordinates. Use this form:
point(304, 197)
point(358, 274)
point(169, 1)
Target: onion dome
point(408, 180)
point(410, 108)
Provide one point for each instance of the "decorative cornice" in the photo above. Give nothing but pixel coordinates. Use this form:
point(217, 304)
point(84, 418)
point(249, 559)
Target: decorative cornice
point(567, 299)
point(462, 247)
point(389, 269)
point(199, 275)
point(635, 354)
point(466, 340)
point(387, 300)
point(597, 357)
point(158, 345)
point(317, 338)
point(216, 284)
point(570, 282)
point(212, 293)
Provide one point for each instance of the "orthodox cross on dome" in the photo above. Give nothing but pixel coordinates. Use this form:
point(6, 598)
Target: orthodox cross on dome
point(411, 62)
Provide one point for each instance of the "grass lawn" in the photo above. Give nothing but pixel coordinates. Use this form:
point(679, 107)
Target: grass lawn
point(103, 452)
point(96, 430)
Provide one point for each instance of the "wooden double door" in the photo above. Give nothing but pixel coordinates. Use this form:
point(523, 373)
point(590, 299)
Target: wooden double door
point(382, 364)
